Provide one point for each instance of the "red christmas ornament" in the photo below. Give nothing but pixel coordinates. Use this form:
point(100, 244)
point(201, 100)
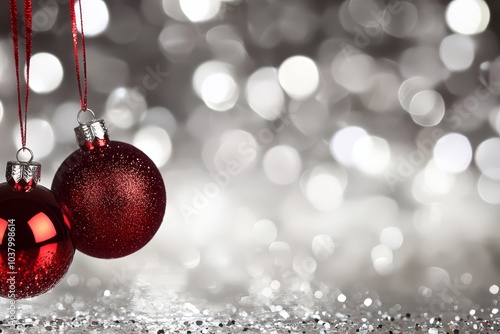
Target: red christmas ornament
point(35, 245)
point(113, 193)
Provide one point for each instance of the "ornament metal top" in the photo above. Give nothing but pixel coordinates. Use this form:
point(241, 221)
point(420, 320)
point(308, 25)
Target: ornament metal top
point(112, 191)
point(92, 134)
point(23, 176)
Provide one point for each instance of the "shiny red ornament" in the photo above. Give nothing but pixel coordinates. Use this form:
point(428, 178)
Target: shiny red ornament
point(112, 192)
point(35, 244)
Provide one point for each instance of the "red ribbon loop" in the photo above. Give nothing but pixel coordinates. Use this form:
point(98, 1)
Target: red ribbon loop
point(28, 14)
point(81, 90)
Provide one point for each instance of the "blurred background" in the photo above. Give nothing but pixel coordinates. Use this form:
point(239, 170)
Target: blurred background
point(335, 154)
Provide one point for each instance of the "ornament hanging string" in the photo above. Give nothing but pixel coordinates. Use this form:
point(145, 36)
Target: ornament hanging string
point(82, 89)
point(23, 116)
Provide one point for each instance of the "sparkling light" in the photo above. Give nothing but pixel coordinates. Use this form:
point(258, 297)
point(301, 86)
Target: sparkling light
point(353, 72)
point(404, 23)
point(453, 153)
point(466, 278)
point(282, 164)
point(383, 266)
point(487, 158)
point(177, 39)
point(323, 247)
point(381, 251)
point(125, 107)
point(299, 77)
point(467, 16)
point(173, 9)
point(155, 142)
point(371, 154)
point(46, 73)
point(427, 108)
point(409, 88)
point(489, 189)
point(304, 265)
point(200, 10)
point(382, 259)
point(73, 280)
point(281, 252)
point(324, 192)
point(343, 142)
point(219, 91)
point(457, 52)
point(264, 94)
point(437, 180)
point(391, 237)
point(207, 69)
point(494, 289)
point(95, 16)
point(45, 17)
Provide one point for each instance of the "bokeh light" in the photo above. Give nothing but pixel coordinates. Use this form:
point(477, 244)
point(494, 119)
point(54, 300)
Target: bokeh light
point(323, 247)
point(324, 192)
point(427, 108)
point(96, 17)
point(214, 84)
point(125, 107)
point(353, 72)
point(299, 77)
point(489, 189)
point(486, 158)
point(468, 16)
point(219, 91)
point(371, 154)
point(343, 142)
point(264, 94)
point(155, 142)
point(46, 73)
point(453, 153)
point(282, 164)
point(382, 258)
point(199, 11)
point(457, 52)
point(392, 237)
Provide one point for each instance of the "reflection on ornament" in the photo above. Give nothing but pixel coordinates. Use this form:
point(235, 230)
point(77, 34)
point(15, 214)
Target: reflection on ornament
point(35, 245)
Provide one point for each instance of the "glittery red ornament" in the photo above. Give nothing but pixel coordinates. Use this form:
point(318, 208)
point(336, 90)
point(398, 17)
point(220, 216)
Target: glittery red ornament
point(35, 245)
point(113, 193)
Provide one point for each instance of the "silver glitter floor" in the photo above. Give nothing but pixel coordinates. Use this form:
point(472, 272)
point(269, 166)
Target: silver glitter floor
point(292, 314)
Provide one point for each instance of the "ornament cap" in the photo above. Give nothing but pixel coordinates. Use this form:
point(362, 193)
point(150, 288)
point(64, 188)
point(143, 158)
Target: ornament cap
point(91, 134)
point(23, 175)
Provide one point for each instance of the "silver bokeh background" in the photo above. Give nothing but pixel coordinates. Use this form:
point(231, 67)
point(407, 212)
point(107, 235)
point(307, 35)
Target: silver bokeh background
point(342, 151)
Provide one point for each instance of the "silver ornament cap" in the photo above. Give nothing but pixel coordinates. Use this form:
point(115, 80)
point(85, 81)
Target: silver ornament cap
point(92, 133)
point(23, 175)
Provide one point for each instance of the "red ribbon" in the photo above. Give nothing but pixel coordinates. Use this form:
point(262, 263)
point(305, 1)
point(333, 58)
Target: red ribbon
point(23, 121)
point(74, 30)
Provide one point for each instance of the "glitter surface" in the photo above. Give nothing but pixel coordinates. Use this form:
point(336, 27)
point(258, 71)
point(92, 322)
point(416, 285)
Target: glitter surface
point(114, 196)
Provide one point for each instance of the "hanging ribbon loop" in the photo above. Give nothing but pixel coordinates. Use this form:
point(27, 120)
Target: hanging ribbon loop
point(28, 14)
point(82, 89)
